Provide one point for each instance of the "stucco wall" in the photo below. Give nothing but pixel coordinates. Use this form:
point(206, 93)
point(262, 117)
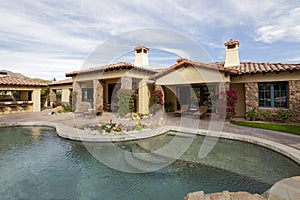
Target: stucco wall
point(192, 75)
point(240, 104)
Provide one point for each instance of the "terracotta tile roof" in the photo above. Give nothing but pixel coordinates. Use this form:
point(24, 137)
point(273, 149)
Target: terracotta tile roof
point(253, 67)
point(111, 67)
point(184, 62)
point(62, 82)
point(18, 81)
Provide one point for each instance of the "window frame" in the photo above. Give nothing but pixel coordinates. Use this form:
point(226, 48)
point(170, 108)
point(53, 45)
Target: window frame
point(272, 94)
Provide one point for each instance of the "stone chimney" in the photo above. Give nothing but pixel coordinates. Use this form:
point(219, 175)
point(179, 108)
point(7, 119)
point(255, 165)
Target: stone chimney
point(232, 53)
point(141, 56)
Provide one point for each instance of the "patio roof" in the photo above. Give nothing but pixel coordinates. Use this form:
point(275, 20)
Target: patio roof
point(17, 81)
point(61, 82)
point(111, 67)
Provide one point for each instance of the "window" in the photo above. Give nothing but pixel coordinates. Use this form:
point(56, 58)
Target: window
point(274, 95)
point(87, 94)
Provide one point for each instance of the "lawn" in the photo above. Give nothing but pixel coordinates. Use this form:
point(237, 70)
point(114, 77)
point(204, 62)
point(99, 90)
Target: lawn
point(275, 127)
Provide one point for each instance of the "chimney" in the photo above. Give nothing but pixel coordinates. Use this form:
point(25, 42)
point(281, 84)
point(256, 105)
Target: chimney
point(232, 53)
point(141, 56)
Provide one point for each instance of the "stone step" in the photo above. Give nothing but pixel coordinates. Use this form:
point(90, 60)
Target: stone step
point(144, 163)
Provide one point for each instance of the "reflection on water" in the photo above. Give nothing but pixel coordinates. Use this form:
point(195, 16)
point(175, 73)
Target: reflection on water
point(37, 164)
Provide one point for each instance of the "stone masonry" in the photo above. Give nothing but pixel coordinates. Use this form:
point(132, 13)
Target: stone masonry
point(98, 96)
point(225, 195)
point(78, 95)
point(251, 96)
point(294, 99)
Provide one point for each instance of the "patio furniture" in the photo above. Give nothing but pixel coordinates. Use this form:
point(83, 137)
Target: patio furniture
point(201, 112)
point(184, 108)
point(14, 107)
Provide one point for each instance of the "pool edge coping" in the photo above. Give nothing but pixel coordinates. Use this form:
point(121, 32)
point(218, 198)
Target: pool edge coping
point(67, 132)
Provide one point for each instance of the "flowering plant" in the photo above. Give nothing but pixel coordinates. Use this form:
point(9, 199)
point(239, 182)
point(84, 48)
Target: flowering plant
point(113, 128)
point(226, 103)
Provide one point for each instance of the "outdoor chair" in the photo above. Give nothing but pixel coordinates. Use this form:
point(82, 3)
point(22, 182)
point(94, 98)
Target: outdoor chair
point(201, 112)
point(184, 108)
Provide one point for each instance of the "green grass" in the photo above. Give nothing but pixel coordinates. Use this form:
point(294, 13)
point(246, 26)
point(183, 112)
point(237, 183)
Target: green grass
point(275, 127)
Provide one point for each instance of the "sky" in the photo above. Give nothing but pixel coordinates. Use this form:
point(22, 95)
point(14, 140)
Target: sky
point(46, 39)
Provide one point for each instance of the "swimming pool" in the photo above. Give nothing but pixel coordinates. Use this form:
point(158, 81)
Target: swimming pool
point(37, 164)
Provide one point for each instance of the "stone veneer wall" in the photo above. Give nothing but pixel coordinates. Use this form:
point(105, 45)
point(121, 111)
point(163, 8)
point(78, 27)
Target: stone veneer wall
point(294, 98)
point(251, 97)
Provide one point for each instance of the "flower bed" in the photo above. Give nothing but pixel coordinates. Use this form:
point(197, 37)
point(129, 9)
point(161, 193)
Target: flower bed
point(114, 128)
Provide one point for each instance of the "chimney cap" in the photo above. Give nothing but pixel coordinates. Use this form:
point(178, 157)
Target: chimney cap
point(140, 47)
point(180, 59)
point(232, 42)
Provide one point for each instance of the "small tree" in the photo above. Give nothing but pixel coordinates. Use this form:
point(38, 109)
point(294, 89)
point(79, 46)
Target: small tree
point(124, 98)
point(157, 100)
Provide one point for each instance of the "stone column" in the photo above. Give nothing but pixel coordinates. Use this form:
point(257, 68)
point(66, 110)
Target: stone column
point(126, 83)
point(52, 96)
point(144, 97)
point(78, 96)
point(294, 99)
point(98, 96)
point(36, 98)
point(65, 95)
point(251, 95)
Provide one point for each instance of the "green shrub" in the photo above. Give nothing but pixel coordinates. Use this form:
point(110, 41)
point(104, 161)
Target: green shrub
point(252, 114)
point(124, 102)
point(266, 115)
point(169, 106)
point(67, 107)
point(283, 115)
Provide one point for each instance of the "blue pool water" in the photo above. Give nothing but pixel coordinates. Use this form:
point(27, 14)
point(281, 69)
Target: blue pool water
point(36, 164)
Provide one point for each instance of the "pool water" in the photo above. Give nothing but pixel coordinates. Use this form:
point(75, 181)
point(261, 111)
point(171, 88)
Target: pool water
point(36, 164)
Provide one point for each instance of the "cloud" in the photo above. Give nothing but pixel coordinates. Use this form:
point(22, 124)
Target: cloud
point(48, 34)
point(284, 28)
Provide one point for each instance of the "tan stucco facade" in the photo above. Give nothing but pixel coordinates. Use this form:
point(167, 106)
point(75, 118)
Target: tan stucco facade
point(22, 105)
point(268, 77)
point(192, 75)
point(124, 77)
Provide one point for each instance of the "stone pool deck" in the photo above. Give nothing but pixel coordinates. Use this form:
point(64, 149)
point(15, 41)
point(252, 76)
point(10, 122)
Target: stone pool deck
point(287, 144)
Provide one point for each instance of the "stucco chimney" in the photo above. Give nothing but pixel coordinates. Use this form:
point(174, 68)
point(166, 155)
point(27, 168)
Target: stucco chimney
point(141, 56)
point(232, 53)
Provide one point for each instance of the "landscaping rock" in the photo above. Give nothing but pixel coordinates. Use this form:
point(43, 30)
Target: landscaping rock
point(225, 195)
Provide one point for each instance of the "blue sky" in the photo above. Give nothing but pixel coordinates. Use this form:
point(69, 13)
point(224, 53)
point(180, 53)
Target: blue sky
point(48, 38)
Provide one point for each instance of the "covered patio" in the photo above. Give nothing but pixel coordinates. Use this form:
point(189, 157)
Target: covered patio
point(192, 83)
point(19, 95)
point(96, 89)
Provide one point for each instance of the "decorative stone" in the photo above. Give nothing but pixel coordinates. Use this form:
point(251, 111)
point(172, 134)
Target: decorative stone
point(251, 96)
point(77, 101)
point(98, 96)
point(225, 195)
point(294, 99)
